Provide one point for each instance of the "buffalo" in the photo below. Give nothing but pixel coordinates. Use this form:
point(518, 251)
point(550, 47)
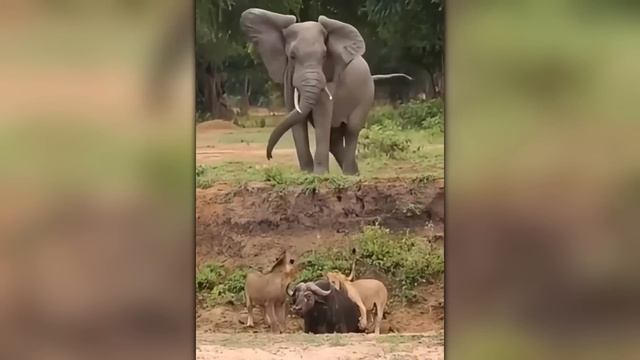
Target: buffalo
point(324, 308)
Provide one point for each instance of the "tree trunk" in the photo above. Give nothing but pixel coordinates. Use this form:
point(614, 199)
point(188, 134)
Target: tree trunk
point(244, 102)
point(214, 98)
point(429, 88)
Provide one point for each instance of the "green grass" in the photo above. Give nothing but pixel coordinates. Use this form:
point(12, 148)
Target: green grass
point(429, 165)
point(281, 177)
point(425, 158)
point(407, 261)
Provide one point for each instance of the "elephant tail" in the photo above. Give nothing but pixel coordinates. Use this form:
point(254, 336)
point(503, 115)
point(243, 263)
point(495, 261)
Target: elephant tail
point(389, 76)
point(292, 118)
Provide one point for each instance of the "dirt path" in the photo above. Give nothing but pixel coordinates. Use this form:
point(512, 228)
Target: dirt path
point(210, 155)
point(211, 151)
point(424, 346)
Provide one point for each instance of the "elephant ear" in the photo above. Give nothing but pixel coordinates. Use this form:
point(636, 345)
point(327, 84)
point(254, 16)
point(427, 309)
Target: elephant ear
point(344, 41)
point(264, 30)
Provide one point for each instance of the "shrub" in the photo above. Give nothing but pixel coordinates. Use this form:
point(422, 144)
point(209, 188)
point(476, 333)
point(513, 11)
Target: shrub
point(384, 116)
point(418, 114)
point(216, 284)
point(380, 141)
point(318, 263)
point(407, 260)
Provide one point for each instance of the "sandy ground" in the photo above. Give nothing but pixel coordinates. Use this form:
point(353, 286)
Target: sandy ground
point(425, 346)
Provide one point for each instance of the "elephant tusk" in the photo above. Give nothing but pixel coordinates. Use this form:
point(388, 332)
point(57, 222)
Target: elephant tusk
point(296, 100)
point(328, 93)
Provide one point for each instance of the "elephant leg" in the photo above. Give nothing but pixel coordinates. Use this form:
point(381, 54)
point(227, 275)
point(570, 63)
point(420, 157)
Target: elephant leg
point(301, 140)
point(337, 144)
point(352, 131)
point(322, 124)
point(350, 166)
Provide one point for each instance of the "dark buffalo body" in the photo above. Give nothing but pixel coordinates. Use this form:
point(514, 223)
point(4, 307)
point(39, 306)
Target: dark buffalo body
point(334, 313)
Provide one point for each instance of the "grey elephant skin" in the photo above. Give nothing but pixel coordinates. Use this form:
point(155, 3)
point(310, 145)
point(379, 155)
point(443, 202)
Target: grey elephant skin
point(326, 83)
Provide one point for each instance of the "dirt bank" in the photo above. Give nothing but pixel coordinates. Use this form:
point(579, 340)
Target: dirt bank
point(255, 221)
point(250, 225)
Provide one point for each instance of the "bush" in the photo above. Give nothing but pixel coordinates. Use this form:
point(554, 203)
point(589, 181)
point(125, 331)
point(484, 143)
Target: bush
point(381, 141)
point(418, 114)
point(216, 284)
point(407, 260)
point(384, 116)
point(318, 263)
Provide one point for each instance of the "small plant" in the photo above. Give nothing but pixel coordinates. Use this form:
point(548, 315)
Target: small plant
point(424, 179)
point(310, 183)
point(216, 284)
point(209, 276)
point(383, 142)
point(341, 182)
point(274, 175)
point(200, 170)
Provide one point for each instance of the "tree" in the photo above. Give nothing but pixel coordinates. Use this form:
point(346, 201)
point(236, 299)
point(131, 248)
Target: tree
point(413, 31)
point(222, 51)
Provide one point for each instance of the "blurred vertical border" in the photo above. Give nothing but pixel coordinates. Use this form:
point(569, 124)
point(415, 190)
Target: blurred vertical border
point(97, 188)
point(543, 179)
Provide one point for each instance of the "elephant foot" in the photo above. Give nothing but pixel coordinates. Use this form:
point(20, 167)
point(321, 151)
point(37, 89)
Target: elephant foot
point(306, 168)
point(350, 171)
point(320, 170)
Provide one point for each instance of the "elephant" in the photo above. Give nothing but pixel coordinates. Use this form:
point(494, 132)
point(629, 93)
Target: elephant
point(326, 82)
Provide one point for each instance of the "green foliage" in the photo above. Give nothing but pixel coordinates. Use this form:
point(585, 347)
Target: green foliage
point(318, 263)
point(230, 171)
point(280, 177)
point(383, 115)
point(341, 182)
point(423, 179)
point(412, 30)
point(418, 114)
point(216, 284)
point(406, 259)
point(380, 141)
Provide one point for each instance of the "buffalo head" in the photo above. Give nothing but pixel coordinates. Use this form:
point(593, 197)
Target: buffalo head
point(305, 295)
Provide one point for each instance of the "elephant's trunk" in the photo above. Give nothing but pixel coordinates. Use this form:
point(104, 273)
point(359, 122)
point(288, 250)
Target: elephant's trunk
point(292, 118)
point(309, 87)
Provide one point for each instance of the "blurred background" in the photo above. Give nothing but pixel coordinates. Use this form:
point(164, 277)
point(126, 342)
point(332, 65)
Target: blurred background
point(543, 170)
point(96, 222)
